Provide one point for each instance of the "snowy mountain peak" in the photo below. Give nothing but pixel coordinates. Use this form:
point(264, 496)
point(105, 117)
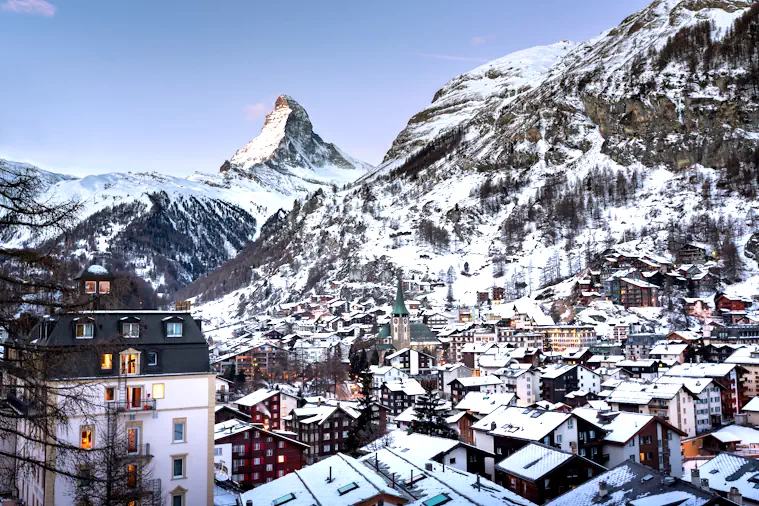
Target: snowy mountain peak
point(288, 117)
point(289, 157)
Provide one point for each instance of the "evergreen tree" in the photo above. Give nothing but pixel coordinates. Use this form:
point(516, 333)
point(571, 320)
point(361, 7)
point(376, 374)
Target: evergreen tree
point(430, 417)
point(375, 357)
point(365, 430)
point(363, 360)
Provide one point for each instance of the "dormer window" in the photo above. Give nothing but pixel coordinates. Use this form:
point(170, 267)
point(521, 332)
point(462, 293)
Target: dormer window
point(104, 287)
point(84, 328)
point(174, 326)
point(131, 330)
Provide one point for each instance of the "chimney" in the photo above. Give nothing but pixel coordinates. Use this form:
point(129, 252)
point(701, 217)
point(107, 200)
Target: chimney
point(705, 483)
point(428, 466)
point(492, 425)
point(735, 496)
point(249, 502)
point(603, 489)
point(695, 477)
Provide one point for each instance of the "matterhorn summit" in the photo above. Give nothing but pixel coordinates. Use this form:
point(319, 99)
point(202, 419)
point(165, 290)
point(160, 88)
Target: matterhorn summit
point(289, 157)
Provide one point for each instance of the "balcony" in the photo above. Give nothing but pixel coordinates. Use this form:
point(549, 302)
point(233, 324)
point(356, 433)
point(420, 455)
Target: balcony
point(132, 405)
point(137, 452)
point(146, 493)
point(18, 403)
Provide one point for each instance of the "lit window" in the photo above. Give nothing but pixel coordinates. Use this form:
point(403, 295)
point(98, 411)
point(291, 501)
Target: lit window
point(106, 362)
point(174, 329)
point(85, 330)
point(281, 459)
point(158, 390)
point(129, 363)
point(132, 476)
point(104, 287)
point(90, 287)
point(110, 393)
point(86, 438)
point(131, 330)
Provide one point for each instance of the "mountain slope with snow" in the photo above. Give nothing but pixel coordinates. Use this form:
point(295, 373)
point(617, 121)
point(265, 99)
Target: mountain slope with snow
point(524, 175)
point(170, 229)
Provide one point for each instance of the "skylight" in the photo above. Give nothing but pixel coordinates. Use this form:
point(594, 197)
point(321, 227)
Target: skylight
point(347, 488)
point(282, 500)
point(437, 500)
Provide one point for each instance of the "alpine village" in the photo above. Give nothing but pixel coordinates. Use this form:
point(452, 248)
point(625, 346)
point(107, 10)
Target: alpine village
point(546, 294)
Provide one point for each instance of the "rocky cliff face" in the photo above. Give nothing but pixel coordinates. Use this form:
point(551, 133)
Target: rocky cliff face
point(289, 157)
point(526, 168)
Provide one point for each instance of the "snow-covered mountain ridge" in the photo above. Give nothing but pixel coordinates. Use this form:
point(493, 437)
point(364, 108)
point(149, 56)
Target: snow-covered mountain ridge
point(173, 229)
point(288, 157)
point(524, 170)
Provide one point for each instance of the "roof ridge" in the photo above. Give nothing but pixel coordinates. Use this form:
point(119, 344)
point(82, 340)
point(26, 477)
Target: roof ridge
point(306, 486)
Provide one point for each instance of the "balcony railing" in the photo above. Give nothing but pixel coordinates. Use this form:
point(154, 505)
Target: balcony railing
point(139, 451)
point(132, 405)
point(18, 404)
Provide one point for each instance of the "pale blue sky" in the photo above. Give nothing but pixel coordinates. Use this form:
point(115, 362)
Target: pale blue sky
point(177, 86)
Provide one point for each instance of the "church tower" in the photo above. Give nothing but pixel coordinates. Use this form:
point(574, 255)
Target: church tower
point(400, 329)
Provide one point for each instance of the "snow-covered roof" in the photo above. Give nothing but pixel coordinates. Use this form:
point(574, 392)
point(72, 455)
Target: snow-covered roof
point(639, 283)
point(311, 413)
point(484, 403)
point(633, 392)
point(416, 446)
point(612, 359)
point(435, 480)
point(572, 353)
point(634, 484)
point(521, 423)
point(533, 461)
point(407, 386)
point(752, 405)
point(478, 381)
point(97, 269)
point(748, 355)
point(701, 370)
point(668, 349)
point(737, 434)
point(254, 398)
point(310, 485)
point(636, 363)
point(728, 470)
point(621, 425)
point(693, 385)
point(599, 405)
point(555, 370)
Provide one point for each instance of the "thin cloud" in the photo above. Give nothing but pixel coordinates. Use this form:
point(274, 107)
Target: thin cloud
point(253, 111)
point(481, 40)
point(35, 7)
point(451, 57)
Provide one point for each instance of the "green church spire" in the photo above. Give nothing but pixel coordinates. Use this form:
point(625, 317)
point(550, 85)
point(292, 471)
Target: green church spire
point(399, 307)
